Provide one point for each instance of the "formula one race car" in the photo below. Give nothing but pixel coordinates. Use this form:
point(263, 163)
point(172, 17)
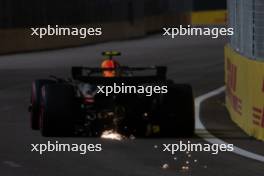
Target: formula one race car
point(136, 102)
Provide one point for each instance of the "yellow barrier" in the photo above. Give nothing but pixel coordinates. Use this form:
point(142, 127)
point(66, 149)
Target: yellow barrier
point(210, 17)
point(245, 92)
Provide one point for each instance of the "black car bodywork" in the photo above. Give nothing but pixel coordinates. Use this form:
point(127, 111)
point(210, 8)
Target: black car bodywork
point(60, 108)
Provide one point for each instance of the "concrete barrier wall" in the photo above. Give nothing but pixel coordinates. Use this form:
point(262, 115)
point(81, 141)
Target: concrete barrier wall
point(245, 92)
point(209, 17)
point(208, 12)
point(156, 23)
point(119, 19)
point(19, 39)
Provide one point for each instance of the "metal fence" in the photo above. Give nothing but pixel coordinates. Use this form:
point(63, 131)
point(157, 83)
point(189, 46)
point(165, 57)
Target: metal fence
point(247, 19)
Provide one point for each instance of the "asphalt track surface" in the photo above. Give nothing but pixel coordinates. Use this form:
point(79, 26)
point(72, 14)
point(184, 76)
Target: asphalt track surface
point(198, 61)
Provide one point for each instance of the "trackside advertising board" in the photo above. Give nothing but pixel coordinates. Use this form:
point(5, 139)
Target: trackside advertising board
point(244, 80)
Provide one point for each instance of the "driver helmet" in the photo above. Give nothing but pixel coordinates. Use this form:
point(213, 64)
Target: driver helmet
point(110, 64)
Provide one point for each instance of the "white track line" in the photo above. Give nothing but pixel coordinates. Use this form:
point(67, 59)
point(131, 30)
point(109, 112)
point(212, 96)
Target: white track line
point(214, 140)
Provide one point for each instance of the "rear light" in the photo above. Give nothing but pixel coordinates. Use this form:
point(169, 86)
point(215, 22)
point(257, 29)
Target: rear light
point(88, 100)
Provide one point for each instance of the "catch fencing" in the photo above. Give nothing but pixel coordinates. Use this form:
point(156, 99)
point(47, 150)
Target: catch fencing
point(247, 18)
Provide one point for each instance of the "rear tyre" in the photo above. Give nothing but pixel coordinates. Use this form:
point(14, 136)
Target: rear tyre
point(35, 101)
point(57, 110)
point(177, 112)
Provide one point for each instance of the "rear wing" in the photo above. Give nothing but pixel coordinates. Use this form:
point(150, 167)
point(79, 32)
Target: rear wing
point(80, 72)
